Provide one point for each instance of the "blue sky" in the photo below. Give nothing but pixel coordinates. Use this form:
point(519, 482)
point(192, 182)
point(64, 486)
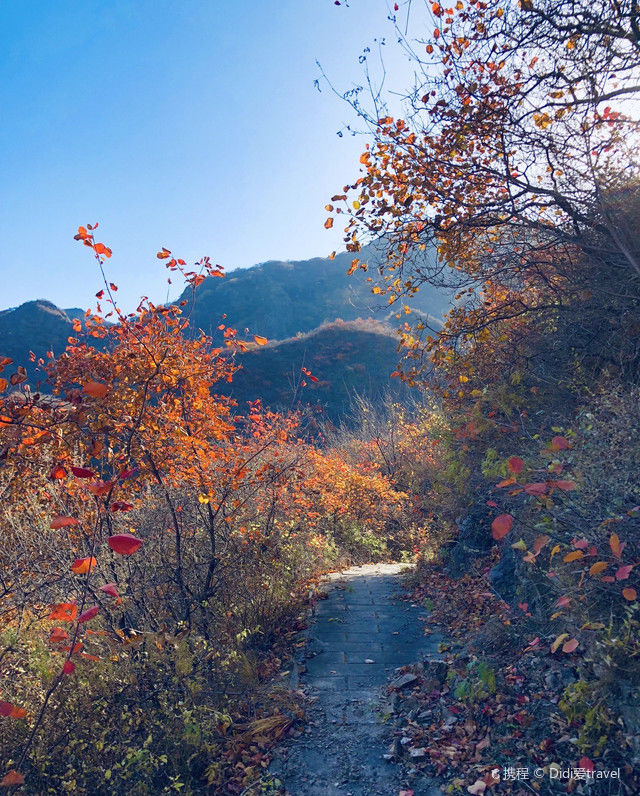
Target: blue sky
point(193, 125)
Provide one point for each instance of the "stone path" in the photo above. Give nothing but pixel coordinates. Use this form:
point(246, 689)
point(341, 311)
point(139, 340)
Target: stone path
point(358, 638)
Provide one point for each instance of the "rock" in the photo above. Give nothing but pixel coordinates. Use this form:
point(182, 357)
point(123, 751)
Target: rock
point(403, 681)
point(474, 539)
point(418, 753)
point(504, 576)
point(436, 670)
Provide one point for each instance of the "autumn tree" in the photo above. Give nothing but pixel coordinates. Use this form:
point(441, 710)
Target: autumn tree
point(514, 160)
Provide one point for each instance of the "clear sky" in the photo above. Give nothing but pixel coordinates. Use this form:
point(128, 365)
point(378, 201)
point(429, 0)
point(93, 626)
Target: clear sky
point(193, 125)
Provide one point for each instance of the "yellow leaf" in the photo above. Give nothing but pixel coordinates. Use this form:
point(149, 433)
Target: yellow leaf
point(559, 641)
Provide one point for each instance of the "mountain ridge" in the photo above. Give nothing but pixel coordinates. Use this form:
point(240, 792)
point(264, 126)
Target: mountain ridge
point(313, 314)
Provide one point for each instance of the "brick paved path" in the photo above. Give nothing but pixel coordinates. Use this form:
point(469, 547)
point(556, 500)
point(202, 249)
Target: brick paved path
point(358, 638)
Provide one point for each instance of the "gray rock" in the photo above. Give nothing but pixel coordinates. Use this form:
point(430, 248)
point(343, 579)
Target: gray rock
point(403, 681)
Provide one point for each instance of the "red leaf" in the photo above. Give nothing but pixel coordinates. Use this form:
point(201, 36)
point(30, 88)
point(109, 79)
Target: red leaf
point(5, 708)
point(501, 526)
point(563, 602)
point(536, 490)
point(63, 522)
point(623, 572)
point(566, 486)
point(57, 635)
point(570, 646)
point(124, 544)
point(120, 505)
point(559, 444)
point(110, 589)
point(80, 472)
point(68, 668)
point(585, 763)
point(516, 464)
point(580, 544)
point(88, 614)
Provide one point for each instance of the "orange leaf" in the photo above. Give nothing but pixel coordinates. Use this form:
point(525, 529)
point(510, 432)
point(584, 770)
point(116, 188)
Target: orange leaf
point(328, 223)
point(573, 556)
point(598, 567)
point(539, 543)
point(260, 340)
point(629, 594)
point(164, 254)
point(100, 248)
point(17, 713)
point(559, 444)
point(95, 389)
point(58, 472)
point(501, 526)
point(81, 566)
point(11, 779)
point(616, 547)
point(64, 612)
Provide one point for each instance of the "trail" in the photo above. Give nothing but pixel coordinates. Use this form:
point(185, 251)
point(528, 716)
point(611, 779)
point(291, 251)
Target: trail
point(358, 637)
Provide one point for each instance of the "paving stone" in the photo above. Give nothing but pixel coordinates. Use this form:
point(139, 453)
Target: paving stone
point(343, 751)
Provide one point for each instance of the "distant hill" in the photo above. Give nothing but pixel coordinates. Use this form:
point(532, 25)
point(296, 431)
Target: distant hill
point(348, 358)
point(314, 315)
point(280, 299)
point(37, 326)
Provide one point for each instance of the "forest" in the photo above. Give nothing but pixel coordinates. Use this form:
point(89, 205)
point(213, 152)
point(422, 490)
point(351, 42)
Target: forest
point(164, 543)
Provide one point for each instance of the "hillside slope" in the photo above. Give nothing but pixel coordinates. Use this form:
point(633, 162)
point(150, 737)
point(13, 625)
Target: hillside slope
point(37, 326)
point(280, 299)
point(349, 358)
